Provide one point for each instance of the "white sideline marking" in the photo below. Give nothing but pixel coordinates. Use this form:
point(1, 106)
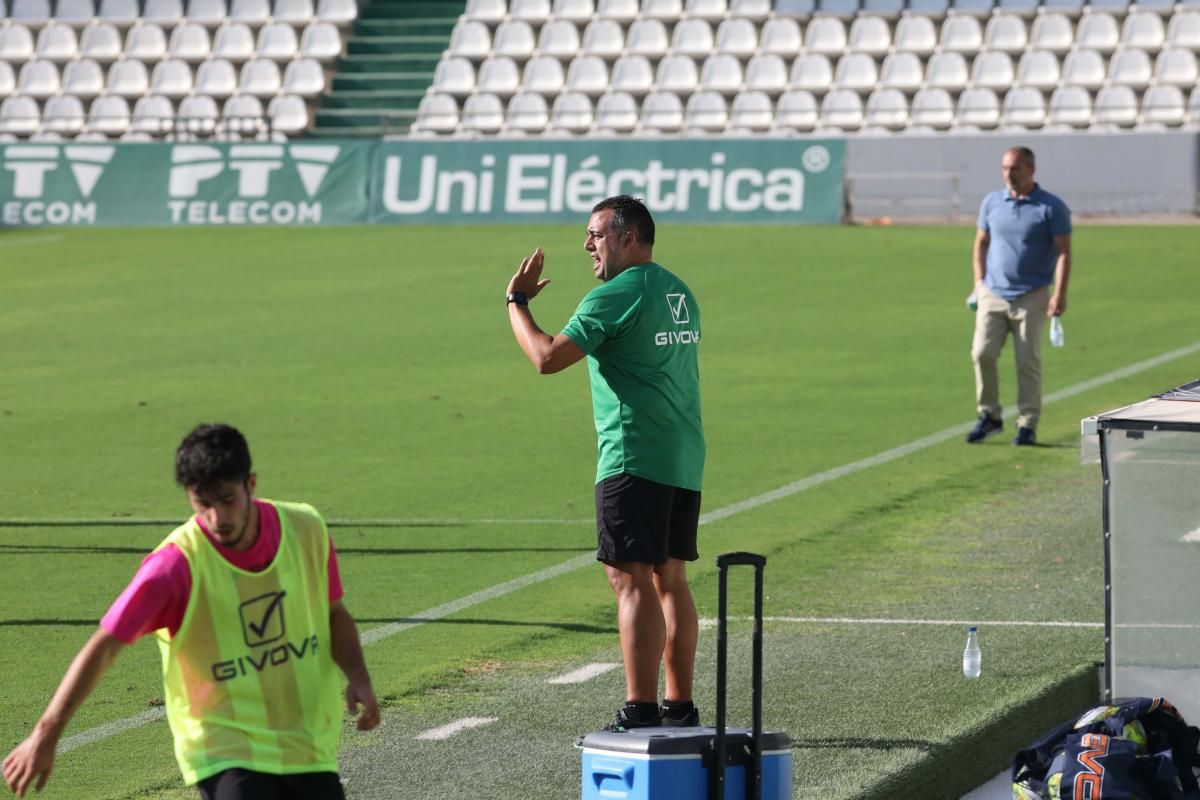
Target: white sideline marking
point(584, 673)
point(446, 731)
point(384, 631)
point(111, 729)
point(6, 242)
point(712, 623)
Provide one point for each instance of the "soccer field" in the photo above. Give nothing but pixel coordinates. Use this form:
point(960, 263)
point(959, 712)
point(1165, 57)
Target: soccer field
point(375, 376)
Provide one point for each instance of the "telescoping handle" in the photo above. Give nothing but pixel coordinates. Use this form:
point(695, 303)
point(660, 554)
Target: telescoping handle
point(754, 768)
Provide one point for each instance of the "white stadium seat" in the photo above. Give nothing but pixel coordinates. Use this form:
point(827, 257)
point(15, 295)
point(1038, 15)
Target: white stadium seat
point(1052, 32)
point(577, 11)
point(781, 37)
point(992, 70)
point(287, 113)
point(489, 12)
point(1176, 66)
point(661, 112)
point(737, 37)
point(260, 77)
point(721, 73)
point(514, 40)
point(752, 111)
point(543, 75)
point(947, 71)
point(83, 78)
point(339, 12)
point(647, 37)
point(470, 39)
point(171, 78)
point(692, 37)
point(197, 114)
point(298, 13)
point(1007, 33)
point(16, 44)
point(1165, 105)
point(437, 113)
point(616, 112)
point(38, 79)
point(932, 108)
point(121, 13)
point(1083, 68)
point(961, 35)
point(233, 42)
point(100, 42)
point(559, 38)
point(1130, 68)
point(1025, 107)
point(57, 42)
point(30, 13)
point(587, 75)
point(797, 110)
point(167, 13)
point(277, 41)
point(109, 115)
point(527, 112)
point(1184, 30)
point(1115, 105)
point(706, 112)
point(662, 9)
point(1144, 30)
point(76, 13)
point(209, 13)
point(757, 10)
point(825, 35)
point(453, 75)
point(216, 77)
point(766, 73)
point(811, 72)
point(711, 10)
point(915, 35)
point(19, 115)
point(322, 41)
point(64, 115)
point(633, 75)
point(676, 74)
point(857, 72)
point(127, 78)
point(902, 71)
point(620, 10)
point(153, 114)
point(241, 114)
point(1097, 31)
point(304, 77)
point(870, 35)
point(190, 42)
point(483, 113)
point(531, 11)
point(1038, 69)
point(499, 75)
point(887, 108)
point(1071, 106)
point(572, 112)
point(842, 108)
point(146, 42)
point(603, 38)
point(978, 107)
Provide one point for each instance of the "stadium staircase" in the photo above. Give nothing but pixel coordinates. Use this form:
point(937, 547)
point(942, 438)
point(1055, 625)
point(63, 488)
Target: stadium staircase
point(389, 63)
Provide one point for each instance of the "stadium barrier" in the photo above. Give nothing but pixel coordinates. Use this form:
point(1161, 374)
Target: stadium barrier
point(323, 182)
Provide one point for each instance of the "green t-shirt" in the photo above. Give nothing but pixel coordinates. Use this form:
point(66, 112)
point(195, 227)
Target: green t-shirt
point(641, 331)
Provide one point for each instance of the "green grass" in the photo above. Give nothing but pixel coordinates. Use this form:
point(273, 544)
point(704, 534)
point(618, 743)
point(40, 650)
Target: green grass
point(375, 375)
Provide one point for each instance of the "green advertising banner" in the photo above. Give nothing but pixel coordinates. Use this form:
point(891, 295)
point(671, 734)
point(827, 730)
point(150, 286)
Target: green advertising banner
point(295, 183)
point(542, 180)
point(322, 182)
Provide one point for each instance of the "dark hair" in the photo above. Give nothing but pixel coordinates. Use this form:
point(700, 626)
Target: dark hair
point(212, 454)
point(629, 213)
point(1026, 155)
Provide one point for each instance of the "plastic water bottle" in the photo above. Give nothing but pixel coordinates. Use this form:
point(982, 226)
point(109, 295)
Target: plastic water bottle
point(971, 656)
point(1056, 332)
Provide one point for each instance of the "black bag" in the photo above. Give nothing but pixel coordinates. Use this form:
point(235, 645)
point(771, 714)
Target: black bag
point(1136, 749)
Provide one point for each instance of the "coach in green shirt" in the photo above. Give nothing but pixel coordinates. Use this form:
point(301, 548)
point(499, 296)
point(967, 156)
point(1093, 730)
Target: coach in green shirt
point(640, 331)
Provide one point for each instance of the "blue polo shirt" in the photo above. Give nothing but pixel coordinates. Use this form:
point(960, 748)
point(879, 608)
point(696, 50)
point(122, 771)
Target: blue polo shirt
point(1021, 254)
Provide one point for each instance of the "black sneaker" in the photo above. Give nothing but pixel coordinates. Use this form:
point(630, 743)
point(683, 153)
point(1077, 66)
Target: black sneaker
point(1025, 437)
point(627, 718)
point(680, 719)
point(984, 428)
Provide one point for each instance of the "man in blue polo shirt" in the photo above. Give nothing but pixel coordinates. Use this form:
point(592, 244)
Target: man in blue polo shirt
point(1022, 263)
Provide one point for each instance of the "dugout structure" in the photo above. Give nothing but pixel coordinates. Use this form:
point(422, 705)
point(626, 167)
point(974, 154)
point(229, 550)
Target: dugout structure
point(1149, 456)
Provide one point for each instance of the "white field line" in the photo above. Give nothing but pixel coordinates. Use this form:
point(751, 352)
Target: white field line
point(446, 731)
point(380, 522)
point(578, 562)
point(709, 622)
point(584, 674)
point(7, 242)
point(110, 729)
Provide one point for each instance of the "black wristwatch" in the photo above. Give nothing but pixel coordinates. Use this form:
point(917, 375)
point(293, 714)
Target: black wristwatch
point(520, 298)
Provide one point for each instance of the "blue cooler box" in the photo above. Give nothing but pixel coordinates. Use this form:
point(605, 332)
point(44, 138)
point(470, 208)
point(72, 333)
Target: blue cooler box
point(672, 764)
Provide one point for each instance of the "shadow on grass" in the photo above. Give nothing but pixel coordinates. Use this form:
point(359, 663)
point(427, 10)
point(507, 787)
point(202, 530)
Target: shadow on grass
point(861, 743)
point(575, 627)
point(50, 623)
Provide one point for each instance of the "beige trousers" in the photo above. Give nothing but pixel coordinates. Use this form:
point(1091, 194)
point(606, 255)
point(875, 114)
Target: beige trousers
point(1024, 318)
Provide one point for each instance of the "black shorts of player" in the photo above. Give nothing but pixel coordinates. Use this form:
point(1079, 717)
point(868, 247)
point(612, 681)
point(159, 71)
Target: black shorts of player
point(245, 784)
point(640, 520)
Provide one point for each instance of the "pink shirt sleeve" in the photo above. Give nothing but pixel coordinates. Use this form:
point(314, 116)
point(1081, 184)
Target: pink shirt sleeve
point(157, 597)
point(336, 591)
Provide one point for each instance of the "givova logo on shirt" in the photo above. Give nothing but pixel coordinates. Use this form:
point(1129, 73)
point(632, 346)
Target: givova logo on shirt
point(38, 171)
point(263, 624)
point(679, 315)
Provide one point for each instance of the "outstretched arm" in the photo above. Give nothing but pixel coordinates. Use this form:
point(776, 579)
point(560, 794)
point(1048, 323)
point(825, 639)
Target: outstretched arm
point(548, 353)
point(33, 759)
point(348, 655)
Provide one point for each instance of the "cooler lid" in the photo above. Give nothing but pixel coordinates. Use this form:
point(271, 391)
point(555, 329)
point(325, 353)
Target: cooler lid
point(680, 741)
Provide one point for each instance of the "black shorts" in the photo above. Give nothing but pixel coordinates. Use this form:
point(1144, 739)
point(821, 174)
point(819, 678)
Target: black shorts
point(640, 520)
point(245, 784)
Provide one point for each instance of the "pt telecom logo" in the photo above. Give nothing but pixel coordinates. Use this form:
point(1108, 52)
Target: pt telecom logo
point(199, 173)
point(50, 184)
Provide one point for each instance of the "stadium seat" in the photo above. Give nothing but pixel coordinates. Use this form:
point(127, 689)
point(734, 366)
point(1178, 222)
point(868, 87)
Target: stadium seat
point(811, 72)
point(483, 113)
point(287, 114)
point(559, 38)
point(752, 111)
point(571, 113)
point(1006, 33)
point(633, 75)
point(692, 37)
point(825, 35)
point(979, 107)
point(109, 114)
point(781, 37)
point(209, 13)
point(961, 34)
point(1038, 69)
point(19, 115)
point(668, 10)
point(1097, 32)
point(514, 40)
point(587, 75)
point(932, 108)
point(197, 114)
point(1052, 32)
point(870, 35)
point(190, 42)
point(935, 9)
point(234, 42)
point(470, 39)
point(8, 78)
point(127, 78)
point(254, 13)
point(1025, 107)
point(1070, 106)
point(661, 112)
point(992, 70)
point(63, 115)
point(616, 112)
point(623, 11)
point(1165, 105)
point(167, 13)
point(711, 10)
point(886, 108)
point(766, 73)
point(304, 77)
point(489, 12)
point(577, 11)
point(1176, 67)
point(647, 37)
point(1144, 30)
point(901, 71)
point(721, 73)
point(453, 76)
point(947, 71)
point(277, 41)
point(915, 35)
point(797, 110)
point(437, 113)
point(83, 78)
point(842, 9)
point(216, 77)
point(33, 14)
point(171, 78)
point(499, 75)
point(322, 41)
point(339, 12)
point(857, 72)
point(1083, 68)
point(887, 9)
point(1193, 108)
point(534, 12)
point(152, 114)
point(57, 42)
point(843, 109)
point(297, 13)
point(121, 13)
point(737, 37)
point(1184, 30)
point(38, 79)
point(676, 74)
point(603, 38)
point(16, 44)
point(146, 42)
point(1130, 68)
point(76, 13)
point(543, 75)
point(706, 112)
point(1115, 105)
point(242, 114)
